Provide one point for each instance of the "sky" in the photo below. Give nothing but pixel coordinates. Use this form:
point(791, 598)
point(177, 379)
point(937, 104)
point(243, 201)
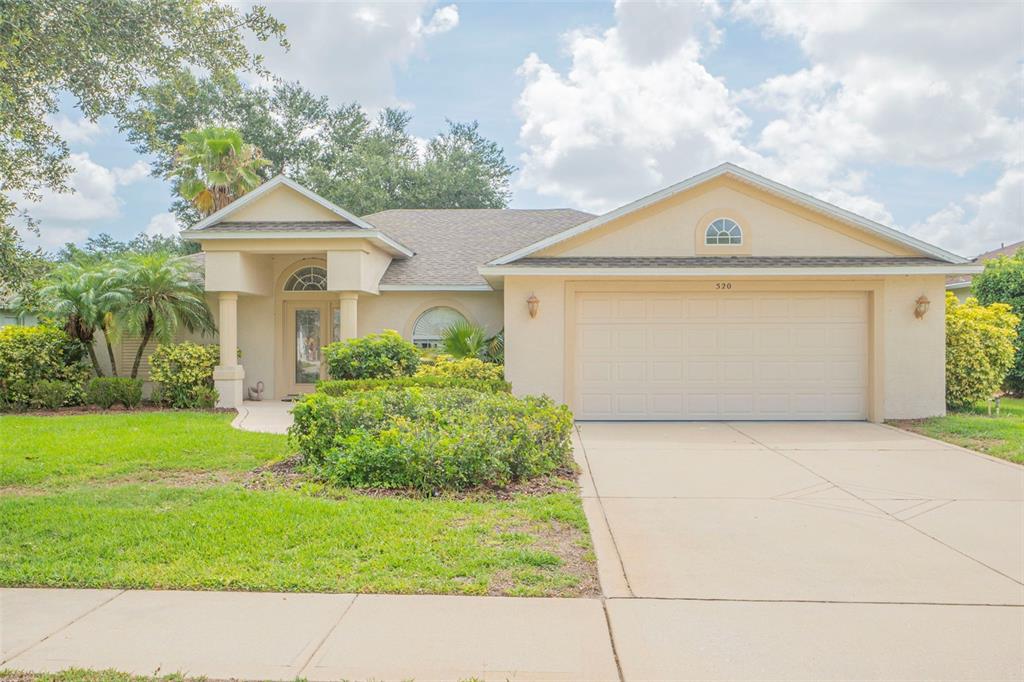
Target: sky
point(911, 114)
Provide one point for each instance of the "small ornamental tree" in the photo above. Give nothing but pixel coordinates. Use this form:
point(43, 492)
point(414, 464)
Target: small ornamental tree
point(374, 356)
point(979, 349)
point(1003, 282)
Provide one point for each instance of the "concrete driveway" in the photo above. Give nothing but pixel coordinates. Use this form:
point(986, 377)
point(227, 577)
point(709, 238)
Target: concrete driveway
point(805, 551)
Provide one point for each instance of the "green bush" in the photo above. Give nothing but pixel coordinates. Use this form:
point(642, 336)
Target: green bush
point(464, 368)
point(184, 373)
point(1002, 281)
point(342, 386)
point(431, 439)
point(376, 356)
point(29, 355)
point(108, 391)
point(49, 394)
point(979, 349)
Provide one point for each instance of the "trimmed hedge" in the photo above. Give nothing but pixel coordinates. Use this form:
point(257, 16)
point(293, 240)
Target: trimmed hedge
point(979, 349)
point(374, 356)
point(107, 391)
point(431, 439)
point(338, 387)
point(462, 368)
point(31, 355)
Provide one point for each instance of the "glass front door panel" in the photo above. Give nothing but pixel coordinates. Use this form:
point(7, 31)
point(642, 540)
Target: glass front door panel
point(307, 345)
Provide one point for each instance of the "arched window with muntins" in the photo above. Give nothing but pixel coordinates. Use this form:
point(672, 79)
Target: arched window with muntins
point(723, 231)
point(309, 278)
point(429, 327)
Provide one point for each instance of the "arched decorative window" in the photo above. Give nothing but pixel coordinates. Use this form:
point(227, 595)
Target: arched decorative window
point(309, 278)
point(723, 231)
point(426, 333)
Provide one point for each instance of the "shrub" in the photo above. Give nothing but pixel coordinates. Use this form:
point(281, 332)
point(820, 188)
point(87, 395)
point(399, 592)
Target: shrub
point(431, 439)
point(465, 368)
point(376, 356)
point(49, 394)
point(979, 349)
point(1002, 281)
point(29, 355)
point(463, 339)
point(108, 391)
point(338, 387)
point(184, 373)
point(206, 397)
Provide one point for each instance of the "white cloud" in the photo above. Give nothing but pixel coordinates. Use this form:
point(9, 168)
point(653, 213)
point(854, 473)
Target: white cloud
point(632, 114)
point(92, 192)
point(981, 222)
point(51, 238)
point(444, 19)
point(80, 131)
point(163, 225)
point(884, 84)
point(349, 51)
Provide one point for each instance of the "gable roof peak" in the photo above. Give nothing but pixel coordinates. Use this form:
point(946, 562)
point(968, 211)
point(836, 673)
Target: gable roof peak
point(266, 188)
point(751, 178)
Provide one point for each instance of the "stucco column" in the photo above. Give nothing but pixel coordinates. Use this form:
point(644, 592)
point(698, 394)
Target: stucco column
point(228, 376)
point(349, 315)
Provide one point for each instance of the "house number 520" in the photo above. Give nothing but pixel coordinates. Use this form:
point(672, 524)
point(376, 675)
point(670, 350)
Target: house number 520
point(723, 285)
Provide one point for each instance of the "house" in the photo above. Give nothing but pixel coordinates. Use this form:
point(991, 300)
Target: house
point(961, 284)
point(725, 296)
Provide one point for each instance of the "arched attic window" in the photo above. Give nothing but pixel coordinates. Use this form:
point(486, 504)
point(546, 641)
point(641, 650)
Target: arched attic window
point(309, 278)
point(723, 231)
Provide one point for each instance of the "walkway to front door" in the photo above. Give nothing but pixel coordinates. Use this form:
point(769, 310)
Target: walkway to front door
point(772, 550)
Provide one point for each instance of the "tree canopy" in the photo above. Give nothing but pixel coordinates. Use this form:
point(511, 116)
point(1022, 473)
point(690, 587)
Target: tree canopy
point(101, 53)
point(1002, 281)
point(362, 163)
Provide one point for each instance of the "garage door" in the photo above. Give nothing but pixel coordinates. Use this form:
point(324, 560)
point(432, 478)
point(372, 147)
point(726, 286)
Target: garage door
point(728, 355)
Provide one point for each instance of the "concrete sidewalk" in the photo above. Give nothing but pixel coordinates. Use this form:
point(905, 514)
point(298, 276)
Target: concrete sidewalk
point(266, 636)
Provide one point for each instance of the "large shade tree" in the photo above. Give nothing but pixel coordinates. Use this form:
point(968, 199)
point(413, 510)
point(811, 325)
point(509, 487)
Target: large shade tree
point(100, 54)
point(363, 163)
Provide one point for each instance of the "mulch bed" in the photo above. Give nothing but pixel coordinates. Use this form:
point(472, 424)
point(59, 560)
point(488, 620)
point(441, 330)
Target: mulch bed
point(289, 473)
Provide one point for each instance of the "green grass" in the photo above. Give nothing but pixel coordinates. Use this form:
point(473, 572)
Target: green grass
point(58, 451)
point(1001, 436)
point(98, 501)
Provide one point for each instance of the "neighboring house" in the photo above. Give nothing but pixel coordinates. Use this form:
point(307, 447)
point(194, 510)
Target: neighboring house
point(10, 316)
point(961, 284)
point(726, 296)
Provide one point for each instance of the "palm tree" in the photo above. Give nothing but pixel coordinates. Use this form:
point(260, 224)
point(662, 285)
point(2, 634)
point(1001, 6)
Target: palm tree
point(165, 293)
point(84, 298)
point(216, 166)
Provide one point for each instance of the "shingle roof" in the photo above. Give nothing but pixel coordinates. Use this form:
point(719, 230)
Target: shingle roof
point(289, 226)
point(987, 256)
point(723, 262)
point(451, 243)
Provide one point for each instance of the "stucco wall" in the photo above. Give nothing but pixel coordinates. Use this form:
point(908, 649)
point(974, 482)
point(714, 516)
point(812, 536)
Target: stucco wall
point(771, 227)
point(911, 353)
point(915, 350)
point(281, 203)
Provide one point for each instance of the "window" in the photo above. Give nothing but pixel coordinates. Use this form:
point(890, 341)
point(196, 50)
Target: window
point(426, 333)
point(310, 278)
point(723, 231)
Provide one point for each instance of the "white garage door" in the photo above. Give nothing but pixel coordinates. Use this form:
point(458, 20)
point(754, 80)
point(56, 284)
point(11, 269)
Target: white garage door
point(725, 355)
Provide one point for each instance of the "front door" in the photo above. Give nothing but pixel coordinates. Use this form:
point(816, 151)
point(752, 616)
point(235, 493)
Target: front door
point(307, 331)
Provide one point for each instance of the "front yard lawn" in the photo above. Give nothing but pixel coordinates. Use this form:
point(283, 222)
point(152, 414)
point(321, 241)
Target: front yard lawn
point(1001, 436)
point(158, 500)
point(58, 451)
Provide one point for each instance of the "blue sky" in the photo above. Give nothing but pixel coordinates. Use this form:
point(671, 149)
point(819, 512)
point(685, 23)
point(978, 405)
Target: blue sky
point(877, 108)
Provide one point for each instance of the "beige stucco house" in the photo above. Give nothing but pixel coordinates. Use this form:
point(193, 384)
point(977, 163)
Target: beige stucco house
point(726, 296)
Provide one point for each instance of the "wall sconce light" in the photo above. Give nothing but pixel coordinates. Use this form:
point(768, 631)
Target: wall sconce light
point(532, 304)
point(922, 306)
